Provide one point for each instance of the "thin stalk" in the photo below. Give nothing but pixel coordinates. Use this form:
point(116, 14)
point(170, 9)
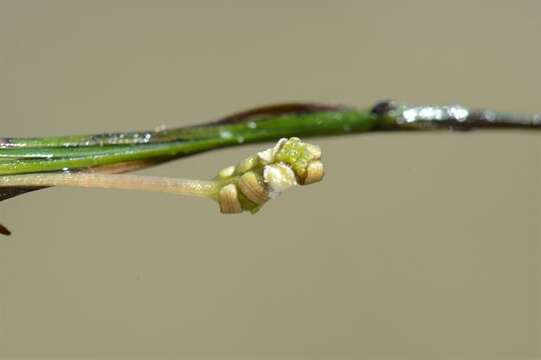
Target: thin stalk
point(176, 186)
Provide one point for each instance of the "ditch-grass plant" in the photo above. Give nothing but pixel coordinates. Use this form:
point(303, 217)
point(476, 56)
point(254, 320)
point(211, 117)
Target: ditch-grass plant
point(100, 160)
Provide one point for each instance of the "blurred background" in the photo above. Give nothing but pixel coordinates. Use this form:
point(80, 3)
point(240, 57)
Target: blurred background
point(414, 245)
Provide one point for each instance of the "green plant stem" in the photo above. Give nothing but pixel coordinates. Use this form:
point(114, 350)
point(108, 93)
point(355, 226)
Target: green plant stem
point(120, 152)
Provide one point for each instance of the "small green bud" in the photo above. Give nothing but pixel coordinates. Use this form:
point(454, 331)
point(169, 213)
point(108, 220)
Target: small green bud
point(264, 176)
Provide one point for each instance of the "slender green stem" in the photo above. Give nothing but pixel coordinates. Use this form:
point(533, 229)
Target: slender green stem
point(130, 150)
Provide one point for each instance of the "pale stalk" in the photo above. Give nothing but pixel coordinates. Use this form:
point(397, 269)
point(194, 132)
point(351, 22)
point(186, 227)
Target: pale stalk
point(190, 187)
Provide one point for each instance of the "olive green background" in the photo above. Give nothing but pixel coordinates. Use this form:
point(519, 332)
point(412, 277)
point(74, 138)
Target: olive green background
point(413, 246)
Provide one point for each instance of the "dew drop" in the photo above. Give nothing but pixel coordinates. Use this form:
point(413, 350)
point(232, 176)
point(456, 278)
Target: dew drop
point(226, 134)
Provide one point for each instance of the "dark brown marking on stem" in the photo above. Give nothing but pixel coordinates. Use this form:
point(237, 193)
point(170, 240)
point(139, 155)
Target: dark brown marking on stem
point(277, 110)
point(383, 108)
point(4, 230)
point(120, 168)
point(9, 192)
